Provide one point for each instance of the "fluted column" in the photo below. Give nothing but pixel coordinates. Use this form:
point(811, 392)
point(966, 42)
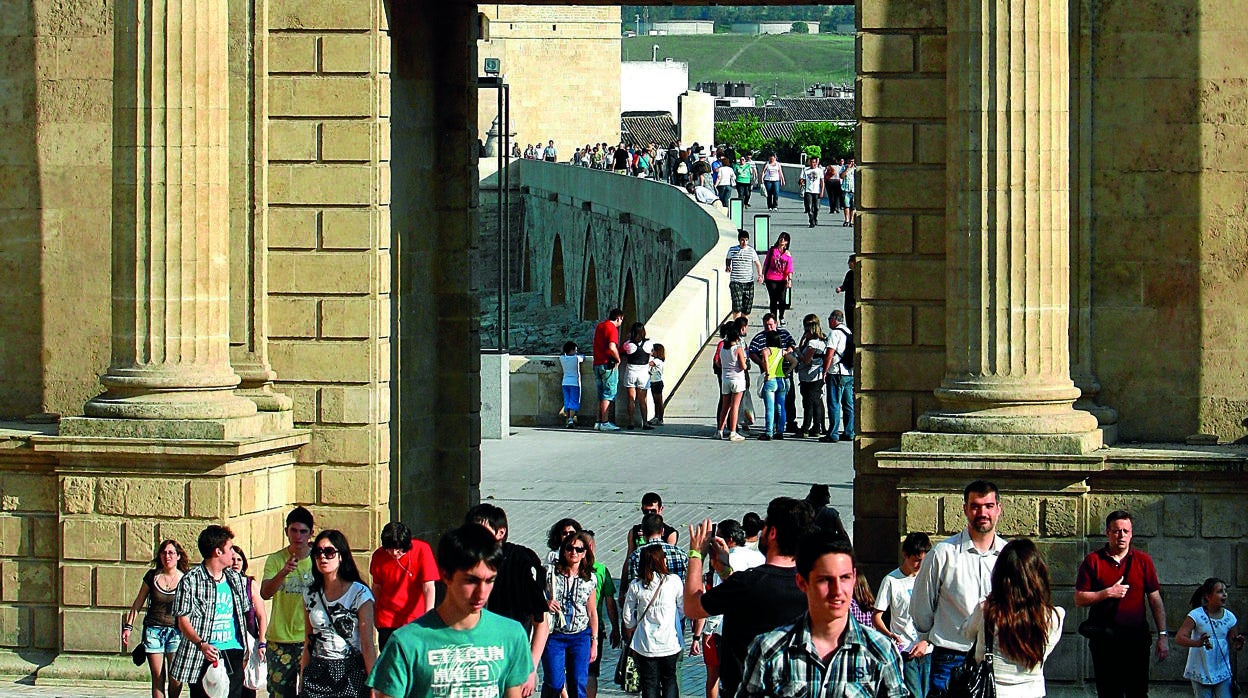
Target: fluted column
point(1008, 227)
point(170, 229)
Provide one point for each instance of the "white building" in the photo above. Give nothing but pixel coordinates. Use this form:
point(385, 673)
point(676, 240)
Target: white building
point(684, 26)
point(774, 27)
point(653, 85)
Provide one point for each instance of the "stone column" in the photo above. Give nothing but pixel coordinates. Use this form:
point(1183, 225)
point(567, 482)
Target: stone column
point(171, 246)
point(1007, 384)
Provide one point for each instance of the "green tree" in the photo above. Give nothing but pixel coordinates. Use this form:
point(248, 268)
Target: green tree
point(744, 135)
point(800, 28)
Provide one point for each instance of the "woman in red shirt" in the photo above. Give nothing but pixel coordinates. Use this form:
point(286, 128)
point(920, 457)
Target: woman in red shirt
point(403, 571)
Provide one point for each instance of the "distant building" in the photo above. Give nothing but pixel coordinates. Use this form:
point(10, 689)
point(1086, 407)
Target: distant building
point(780, 116)
point(683, 26)
point(653, 85)
point(846, 29)
point(773, 27)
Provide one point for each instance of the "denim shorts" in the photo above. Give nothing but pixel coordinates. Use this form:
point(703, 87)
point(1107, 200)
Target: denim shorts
point(608, 382)
point(159, 639)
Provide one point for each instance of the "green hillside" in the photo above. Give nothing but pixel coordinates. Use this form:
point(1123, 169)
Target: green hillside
point(782, 62)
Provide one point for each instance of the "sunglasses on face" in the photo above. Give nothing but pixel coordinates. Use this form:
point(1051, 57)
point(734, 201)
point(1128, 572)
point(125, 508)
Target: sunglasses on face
point(327, 553)
point(579, 549)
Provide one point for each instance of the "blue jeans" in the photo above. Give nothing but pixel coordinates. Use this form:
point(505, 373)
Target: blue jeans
point(1217, 690)
point(774, 391)
point(566, 662)
point(841, 397)
point(773, 192)
point(943, 663)
point(917, 674)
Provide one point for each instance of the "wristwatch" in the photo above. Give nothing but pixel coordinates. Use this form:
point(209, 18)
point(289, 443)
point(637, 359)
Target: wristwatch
point(1162, 633)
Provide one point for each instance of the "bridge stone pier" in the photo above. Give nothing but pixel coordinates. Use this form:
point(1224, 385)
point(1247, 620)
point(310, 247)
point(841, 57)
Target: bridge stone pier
point(1051, 276)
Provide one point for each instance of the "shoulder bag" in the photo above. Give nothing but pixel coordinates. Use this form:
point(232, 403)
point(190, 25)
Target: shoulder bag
point(974, 679)
point(1094, 628)
point(626, 673)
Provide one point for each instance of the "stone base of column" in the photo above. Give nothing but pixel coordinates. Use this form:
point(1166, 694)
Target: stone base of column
point(989, 443)
point(196, 429)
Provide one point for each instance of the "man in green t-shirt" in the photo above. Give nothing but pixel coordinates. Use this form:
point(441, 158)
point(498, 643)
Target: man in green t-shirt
point(458, 648)
point(287, 574)
point(604, 587)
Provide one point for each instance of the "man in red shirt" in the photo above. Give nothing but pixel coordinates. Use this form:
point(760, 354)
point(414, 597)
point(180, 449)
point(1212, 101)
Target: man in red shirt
point(1115, 581)
point(403, 572)
point(606, 361)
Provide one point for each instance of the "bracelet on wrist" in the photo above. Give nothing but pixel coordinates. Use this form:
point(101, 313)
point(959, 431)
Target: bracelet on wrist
point(1163, 633)
point(127, 626)
point(695, 554)
point(261, 644)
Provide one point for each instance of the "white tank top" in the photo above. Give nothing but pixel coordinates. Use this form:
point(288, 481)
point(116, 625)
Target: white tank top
point(728, 366)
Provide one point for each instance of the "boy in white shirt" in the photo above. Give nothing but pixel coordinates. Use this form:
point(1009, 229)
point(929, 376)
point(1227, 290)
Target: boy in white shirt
point(894, 598)
point(571, 361)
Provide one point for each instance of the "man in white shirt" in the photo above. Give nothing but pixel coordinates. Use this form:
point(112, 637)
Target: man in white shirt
point(812, 188)
point(954, 578)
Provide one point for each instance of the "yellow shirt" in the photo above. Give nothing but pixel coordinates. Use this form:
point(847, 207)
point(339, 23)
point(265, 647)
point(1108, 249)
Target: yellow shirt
point(775, 362)
point(286, 617)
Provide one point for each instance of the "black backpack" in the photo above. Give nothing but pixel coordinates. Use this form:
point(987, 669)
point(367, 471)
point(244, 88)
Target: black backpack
point(847, 356)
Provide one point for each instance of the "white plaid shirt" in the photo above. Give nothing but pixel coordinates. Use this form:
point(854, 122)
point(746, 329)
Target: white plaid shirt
point(197, 599)
point(784, 662)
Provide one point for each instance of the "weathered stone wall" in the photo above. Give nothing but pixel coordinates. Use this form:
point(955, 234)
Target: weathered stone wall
point(1169, 230)
point(329, 239)
point(572, 107)
point(55, 197)
point(900, 238)
point(29, 551)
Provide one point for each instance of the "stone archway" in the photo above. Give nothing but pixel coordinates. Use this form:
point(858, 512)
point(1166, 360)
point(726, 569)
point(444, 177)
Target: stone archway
point(558, 288)
point(630, 300)
point(589, 297)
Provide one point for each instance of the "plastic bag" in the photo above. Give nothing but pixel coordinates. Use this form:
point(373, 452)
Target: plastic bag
point(256, 670)
point(216, 680)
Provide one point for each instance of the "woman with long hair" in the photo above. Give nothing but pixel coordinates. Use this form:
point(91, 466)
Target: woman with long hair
point(778, 275)
point(810, 353)
point(654, 601)
point(732, 383)
point(1211, 635)
point(573, 642)
point(339, 651)
point(636, 355)
point(773, 179)
point(1020, 615)
point(257, 617)
point(161, 636)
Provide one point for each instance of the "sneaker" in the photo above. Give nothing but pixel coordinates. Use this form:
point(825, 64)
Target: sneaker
point(745, 429)
point(779, 436)
point(719, 435)
point(764, 437)
point(799, 434)
point(597, 426)
point(571, 423)
point(656, 422)
point(828, 439)
point(735, 437)
point(608, 426)
point(647, 427)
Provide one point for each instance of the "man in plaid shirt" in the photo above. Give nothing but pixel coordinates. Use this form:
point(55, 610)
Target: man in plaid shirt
point(653, 529)
point(826, 651)
point(211, 608)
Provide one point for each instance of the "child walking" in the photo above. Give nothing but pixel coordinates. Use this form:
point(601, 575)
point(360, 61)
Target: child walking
point(1210, 632)
point(657, 358)
point(571, 361)
point(894, 599)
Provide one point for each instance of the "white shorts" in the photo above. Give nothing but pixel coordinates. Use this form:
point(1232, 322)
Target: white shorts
point(637, 376)
point(728, 386)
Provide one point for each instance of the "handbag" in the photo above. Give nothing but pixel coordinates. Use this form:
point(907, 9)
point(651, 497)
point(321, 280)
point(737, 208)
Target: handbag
point(626, 674)
point(138, 655)
point(974, 679)
point(256, 669)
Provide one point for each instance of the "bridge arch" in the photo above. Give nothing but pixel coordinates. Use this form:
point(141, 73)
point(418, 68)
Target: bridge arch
point(558, 286)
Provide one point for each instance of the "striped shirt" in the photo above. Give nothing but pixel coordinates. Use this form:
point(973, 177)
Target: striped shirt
point(742, 259)
point(784, 662)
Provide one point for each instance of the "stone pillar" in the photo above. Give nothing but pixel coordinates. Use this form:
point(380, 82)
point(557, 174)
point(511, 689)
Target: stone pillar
point(171, 246)
point(1007, 384)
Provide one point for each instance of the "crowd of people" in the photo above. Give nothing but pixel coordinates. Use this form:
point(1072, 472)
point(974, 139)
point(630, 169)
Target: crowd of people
point(774, 605)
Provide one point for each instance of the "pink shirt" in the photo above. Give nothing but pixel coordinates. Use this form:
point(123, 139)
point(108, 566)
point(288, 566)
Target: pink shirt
point(777, 267)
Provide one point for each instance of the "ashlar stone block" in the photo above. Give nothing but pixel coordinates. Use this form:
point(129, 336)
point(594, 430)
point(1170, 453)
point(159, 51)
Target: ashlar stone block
point(347, 53)
point(28, 492)
point(1223, 516)
point(140, 540)
point(1020, 516)
point(347, 486)
point(1060, 517)
point(887, 53)
point(91, 539)
point(28, 581)
point(347, 229)
point(922, 513)
point(345, 318)
point(89, 630)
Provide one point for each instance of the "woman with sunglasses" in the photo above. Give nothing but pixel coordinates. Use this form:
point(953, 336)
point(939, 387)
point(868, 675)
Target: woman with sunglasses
point(573, 641)
point(339, 651)
point(160, 629)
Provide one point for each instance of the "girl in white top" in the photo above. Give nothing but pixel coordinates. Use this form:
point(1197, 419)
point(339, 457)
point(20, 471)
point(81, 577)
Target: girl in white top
point(732, 368)
point(658, 358)
point(1024, 622)
point(655, 600)
point(1210, 632)
point(570, 361)
point(773, 179)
